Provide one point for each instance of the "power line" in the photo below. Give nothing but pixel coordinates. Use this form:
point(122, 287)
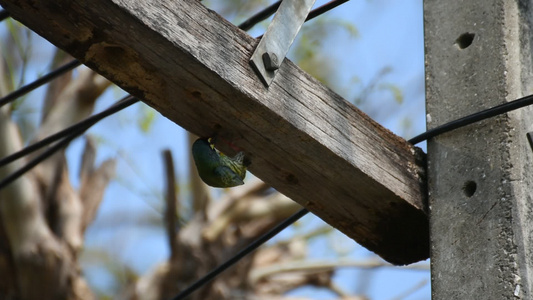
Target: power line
point(476, 117)
point(13, 176)
point(68, 135)
point(260, 16)
point(85, 124)
point(267, 12)
point(250, 248)
point(37, 83)
point(324, 8)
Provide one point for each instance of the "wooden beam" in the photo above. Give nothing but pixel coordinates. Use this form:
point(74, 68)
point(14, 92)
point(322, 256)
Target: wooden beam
point(303, 139)
point(478, 55)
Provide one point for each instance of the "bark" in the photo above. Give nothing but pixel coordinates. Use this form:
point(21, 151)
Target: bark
point(42, 217)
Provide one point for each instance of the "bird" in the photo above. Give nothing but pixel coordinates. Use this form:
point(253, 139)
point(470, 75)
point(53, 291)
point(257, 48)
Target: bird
point(215, 168)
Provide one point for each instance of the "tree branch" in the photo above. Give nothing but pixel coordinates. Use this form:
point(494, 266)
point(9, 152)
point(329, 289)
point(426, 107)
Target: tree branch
point(170, 199)
point(323, 265)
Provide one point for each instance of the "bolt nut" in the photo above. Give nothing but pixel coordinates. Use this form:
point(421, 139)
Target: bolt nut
point(270, 60)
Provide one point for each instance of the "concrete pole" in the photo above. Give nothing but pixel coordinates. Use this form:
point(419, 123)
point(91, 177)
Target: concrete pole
point(478, 55)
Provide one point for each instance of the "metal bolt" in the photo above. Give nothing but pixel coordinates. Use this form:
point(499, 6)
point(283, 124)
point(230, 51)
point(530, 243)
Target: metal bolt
point(270, 60)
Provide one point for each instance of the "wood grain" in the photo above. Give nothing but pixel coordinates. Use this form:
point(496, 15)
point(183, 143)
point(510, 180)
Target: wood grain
point(303, 139)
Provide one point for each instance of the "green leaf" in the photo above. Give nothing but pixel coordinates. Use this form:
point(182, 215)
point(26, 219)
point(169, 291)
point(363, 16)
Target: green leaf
point(146, 118)
point(395, 90)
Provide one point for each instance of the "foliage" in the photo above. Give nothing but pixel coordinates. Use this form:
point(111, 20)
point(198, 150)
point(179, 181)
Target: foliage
point(146, 118)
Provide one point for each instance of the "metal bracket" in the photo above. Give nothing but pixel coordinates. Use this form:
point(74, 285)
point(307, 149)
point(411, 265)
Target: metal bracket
point(278, 38)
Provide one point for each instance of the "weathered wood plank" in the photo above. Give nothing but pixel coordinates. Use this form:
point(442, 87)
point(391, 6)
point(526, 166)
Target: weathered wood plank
point(304, 140)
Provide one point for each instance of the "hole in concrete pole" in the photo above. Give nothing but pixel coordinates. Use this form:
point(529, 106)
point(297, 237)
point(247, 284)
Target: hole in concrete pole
point(469, 188)
point(465, 40)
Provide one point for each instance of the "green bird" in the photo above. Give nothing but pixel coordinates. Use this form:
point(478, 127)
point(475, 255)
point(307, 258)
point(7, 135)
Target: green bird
point(215, 168)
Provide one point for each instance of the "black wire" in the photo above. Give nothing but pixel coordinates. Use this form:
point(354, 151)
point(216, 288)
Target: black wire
point(85, 124)
point(250, 248)
point(4, 14)
point(37, 160)
point(68, 135)
point(37, 83)
point(476, 117)
point(530, 139)
point(324, 8)
point(270, 10)
point(260, 16)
